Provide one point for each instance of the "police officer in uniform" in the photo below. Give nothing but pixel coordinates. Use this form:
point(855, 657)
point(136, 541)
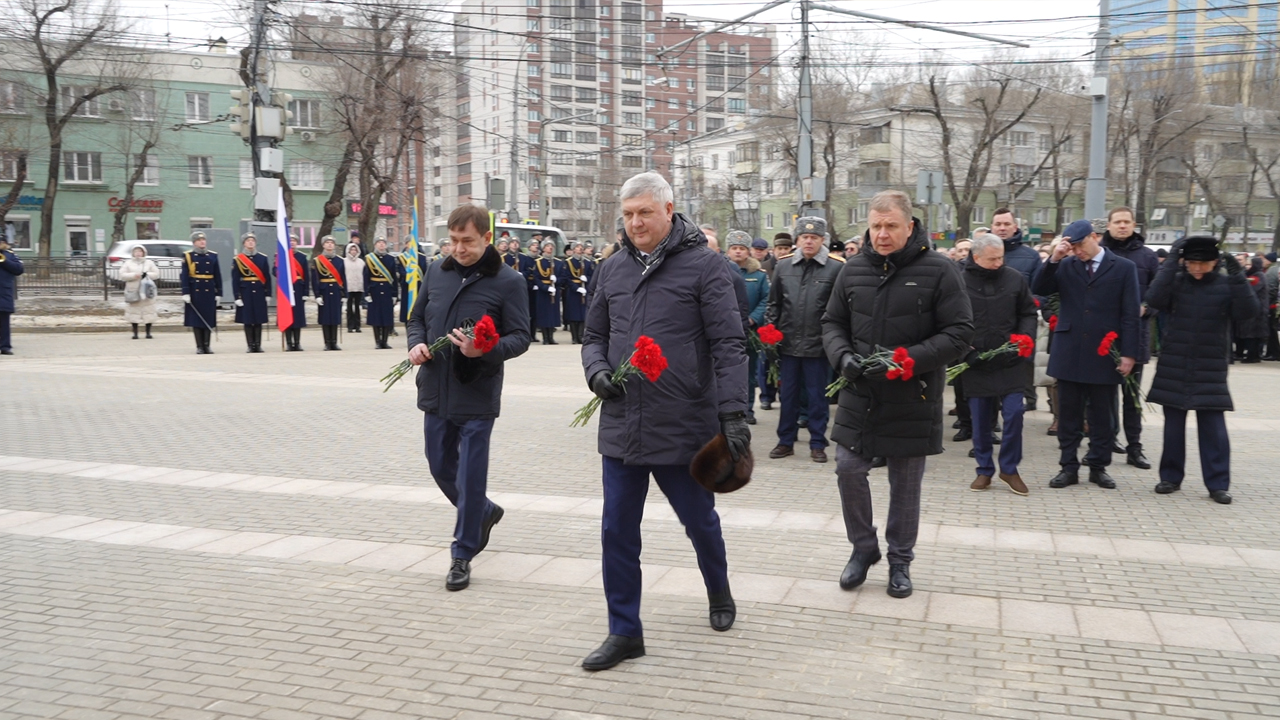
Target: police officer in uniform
point(299, 270)
point(381, 278)
point(548, 284)
point(575, 295)
point(249, 275)
point(201, 279)
point(522, 264)
point(327, 282)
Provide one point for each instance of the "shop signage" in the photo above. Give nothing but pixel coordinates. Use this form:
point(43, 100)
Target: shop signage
point(138, 205)
point(354, 208)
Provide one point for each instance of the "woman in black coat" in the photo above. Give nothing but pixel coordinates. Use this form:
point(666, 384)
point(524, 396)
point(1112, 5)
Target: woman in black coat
point(1194, 297)
point(1002, 306)
point(1251, 333)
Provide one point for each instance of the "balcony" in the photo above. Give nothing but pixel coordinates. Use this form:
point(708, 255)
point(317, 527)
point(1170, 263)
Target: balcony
point(875, 153)
point(746, 167)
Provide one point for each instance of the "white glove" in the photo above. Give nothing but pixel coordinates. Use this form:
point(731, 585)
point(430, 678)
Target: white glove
point(552, 279)
point(186, 298)
point(582, 291)
point(551, 289)
point(319, 300)
point(239, 303)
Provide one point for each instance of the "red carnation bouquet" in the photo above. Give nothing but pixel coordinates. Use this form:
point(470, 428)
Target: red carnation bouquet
point(1024, 345)
point(483, 333)
point(1053, 323)
point(1108, 347)
point(767, 338)
point(899, 363)
point(647, 360)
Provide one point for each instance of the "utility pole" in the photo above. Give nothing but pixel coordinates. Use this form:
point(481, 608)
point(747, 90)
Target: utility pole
point(1095, 192)
point(804, 147)
point(262, 118)
point(261, 92)
point(513, 188)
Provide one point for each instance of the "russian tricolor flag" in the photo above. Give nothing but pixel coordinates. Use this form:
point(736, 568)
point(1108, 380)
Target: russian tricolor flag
point(284, 268)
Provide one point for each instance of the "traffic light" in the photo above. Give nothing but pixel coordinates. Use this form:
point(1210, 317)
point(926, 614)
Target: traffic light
point(240, 111)
point(282, 101)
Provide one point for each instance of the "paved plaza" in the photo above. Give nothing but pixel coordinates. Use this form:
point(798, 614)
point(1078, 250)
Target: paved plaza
point(257, 536)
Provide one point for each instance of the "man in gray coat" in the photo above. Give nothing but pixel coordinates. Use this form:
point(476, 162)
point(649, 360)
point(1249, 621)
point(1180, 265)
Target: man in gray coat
point(664, 283)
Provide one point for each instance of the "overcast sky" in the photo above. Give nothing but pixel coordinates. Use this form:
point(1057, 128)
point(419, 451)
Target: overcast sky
point(1061, 28)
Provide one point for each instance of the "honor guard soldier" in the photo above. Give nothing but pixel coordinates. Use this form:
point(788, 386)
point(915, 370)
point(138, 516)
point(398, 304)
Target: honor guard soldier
point(575, 295)
point(548, 284)
point(381, 279)
point(201, 279)
point(330, 290)
point(299, 270)
point(249, 287)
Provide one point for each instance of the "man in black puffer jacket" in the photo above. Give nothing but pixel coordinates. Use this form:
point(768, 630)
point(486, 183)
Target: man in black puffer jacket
point(895, 293)
point(1195, 302)
point(1121, 239)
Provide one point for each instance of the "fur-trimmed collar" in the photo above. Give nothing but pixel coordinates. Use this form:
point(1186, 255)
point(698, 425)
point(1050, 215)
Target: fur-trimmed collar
point(751, 265)
point(488, 265)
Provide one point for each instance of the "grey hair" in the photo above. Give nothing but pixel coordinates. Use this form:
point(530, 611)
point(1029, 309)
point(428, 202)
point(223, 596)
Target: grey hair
point(890, 200)
point(648, 183)
point(983, 241)
point(707, 226)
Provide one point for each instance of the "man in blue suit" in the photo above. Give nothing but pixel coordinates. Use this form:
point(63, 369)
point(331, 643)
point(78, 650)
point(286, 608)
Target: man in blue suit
point(1098, 294)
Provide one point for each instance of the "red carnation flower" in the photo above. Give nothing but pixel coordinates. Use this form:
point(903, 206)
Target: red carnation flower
point(1104, 348)
point(893, 373)
point(648, 358)
point(900, 355)
point(1053, 323)
point(769, 335)
point(1025, 344)
point(485, 335)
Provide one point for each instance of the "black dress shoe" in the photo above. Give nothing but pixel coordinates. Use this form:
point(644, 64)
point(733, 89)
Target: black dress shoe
point(955, 425)
point(1137, 459)
point(802, 423)
point(1164, 488)
point(1099, 477)
point(995, 439)
point(899, 580)
point(494, 516)
point(878, 462)
point(1063, 479)
point(751, 419)
point(1222, 497)
point(964, 434)
point(723, 611)
point(459, 576)
point(766, 405)
point(855, 571)
point(615, 649)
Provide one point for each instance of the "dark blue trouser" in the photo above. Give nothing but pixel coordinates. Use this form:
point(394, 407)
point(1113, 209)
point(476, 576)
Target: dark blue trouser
point(625, 488)
point(1074, 400)
point(4, 331)
point(1215, 448)
point(983, 410)
point(768, 391)
point(459, 458)
point(803, 377)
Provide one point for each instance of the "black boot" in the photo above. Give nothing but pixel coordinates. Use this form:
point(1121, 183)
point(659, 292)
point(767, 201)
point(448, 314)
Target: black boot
point(197, 334)
point(248, 337)
point(148, 331)
point(545, 340)
point(208, 338)
point(551, 336)
point(135, 331)
point(257, 339)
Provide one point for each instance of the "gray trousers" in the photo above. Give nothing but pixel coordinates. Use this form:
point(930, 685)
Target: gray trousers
point(905, 476)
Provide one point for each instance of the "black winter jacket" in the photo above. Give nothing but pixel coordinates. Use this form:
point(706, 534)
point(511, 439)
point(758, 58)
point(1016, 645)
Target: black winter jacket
point(684, 298)
point(1256, 325)
point(915, 299)
point(1196, 347)
point(452, 385)
point(1134, 249)
point(1002, 305)
point(1021, 257)
point(797, 299)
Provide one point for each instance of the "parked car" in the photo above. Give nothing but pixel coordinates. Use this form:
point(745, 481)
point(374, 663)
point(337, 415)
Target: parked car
point(166, 254)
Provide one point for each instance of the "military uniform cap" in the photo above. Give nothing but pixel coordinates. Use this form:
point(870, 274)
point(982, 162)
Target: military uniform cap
point(810, 226)
point(197, 235)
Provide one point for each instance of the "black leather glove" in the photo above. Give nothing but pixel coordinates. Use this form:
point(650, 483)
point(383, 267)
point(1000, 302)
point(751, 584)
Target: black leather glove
point(603, 386)
point(735, 429)
point(850, 368)
point(144, 274)
point(1175, 250)
point(875, 371)
point(1232, 265)
point(974, 359)
point(1004, 361)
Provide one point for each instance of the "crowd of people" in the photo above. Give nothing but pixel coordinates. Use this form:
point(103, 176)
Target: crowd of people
point(877, 327)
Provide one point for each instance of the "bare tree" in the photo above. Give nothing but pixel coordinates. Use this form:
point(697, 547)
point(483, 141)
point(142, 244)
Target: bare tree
point(19, 160)
point(135, 168)
point(71, 38)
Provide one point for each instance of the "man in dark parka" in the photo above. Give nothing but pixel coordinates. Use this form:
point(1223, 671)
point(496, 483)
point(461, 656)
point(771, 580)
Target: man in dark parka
point(665, 284)
point(460, 388)
point(895, 293)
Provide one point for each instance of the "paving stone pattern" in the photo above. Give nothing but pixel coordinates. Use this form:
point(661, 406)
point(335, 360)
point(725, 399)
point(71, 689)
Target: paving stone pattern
point(235, 536)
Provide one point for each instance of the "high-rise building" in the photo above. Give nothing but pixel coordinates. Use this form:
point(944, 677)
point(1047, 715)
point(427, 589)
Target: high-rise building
point(577, 89)
point(1232, 46)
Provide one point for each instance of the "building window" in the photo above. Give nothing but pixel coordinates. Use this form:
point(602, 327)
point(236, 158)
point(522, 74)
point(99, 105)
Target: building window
point(768, 221)
point(306, 113)
point(9, 165)
point(151, 168)
point(650, 123)
point(147, 229)
point(67, 96)
point(714, 124)
point(82, 167)
point(690, 84)
point(562, 70)
point(715, 161)
point(306, 175)
point(631, 119)
point(533, 25)
point(535, 70)
point(12, 97)
point(651, 103)
point(535, 116)
point(142, 104)
point(873, 135)
point(246, 174)
point(979, 215)
point(585, 94)
point(864, 209)
point(650, 38)
point(199, 171)
point(768, 187)
point(77, 234)
point(561, 203)
point(1019, 138)
point(876, 173)
point(851, 179)
point(560, 136)
point(1041, 216)
point(632, 161)
point(737, 105)
point(197, 107)
point(18, 231)
point(585, 137)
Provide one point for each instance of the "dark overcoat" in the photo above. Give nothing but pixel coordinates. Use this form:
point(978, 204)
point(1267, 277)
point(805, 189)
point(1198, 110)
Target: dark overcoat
point(1146, 263)
point(546, 303)
point(1196, 347)
point(380, 288)
point(1002, 306)
point(247, 287)
point(452, 385)
point(330, 285)
point(1088, 309)
point(301, 287)
point(682, 296)
point(201, 278)
point(10, 269)
point(575, 303)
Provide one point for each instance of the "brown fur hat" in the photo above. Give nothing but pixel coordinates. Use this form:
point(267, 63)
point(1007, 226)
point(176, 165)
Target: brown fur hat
point(714, 469)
